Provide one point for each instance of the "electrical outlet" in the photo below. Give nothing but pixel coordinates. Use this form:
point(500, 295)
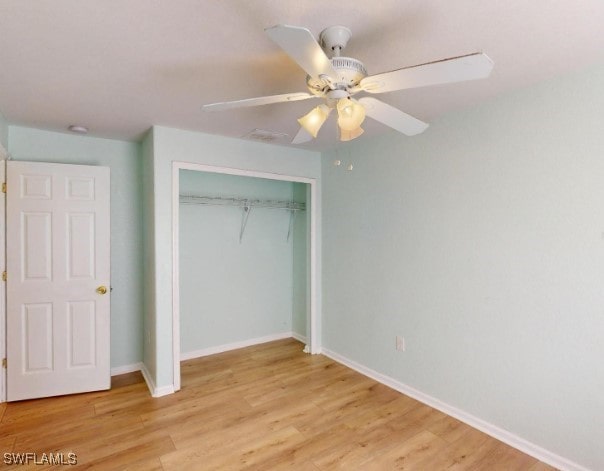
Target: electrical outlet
point(400, 343)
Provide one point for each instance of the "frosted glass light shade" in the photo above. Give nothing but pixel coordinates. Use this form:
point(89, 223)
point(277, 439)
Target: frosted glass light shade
point(351, 114)
point(350, 135)
point(313, 121)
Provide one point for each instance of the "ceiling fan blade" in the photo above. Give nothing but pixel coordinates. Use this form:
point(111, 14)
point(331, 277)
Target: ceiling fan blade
point(302, 47)
point(392, 117)
point(302, 136)
point(263, 100)
point(457, 69)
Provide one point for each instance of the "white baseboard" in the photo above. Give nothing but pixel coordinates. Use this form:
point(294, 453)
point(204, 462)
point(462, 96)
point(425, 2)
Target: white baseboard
point(299, 337)
point(165, 390)
point(154, 390)
point(121, 370)
point(500, 434)
point(234, 346)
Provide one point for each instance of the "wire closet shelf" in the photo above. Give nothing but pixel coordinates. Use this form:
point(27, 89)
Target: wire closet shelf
point(242, 202)
point(246, 204)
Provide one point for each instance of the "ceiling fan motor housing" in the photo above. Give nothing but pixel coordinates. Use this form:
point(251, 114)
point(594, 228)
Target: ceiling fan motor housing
point(350, 72)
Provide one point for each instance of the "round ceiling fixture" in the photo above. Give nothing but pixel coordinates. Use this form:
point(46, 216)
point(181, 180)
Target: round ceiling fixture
point(77, 128)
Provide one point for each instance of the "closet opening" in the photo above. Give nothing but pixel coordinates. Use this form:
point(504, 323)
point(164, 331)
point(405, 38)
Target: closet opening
point(243, 260)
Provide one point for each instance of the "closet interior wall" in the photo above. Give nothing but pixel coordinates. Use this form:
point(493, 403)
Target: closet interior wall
point(234, 291)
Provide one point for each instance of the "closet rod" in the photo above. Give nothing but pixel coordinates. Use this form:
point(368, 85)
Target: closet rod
point(242, 202)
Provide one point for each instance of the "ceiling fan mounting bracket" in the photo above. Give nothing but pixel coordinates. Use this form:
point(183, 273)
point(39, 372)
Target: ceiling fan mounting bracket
point(335, 38)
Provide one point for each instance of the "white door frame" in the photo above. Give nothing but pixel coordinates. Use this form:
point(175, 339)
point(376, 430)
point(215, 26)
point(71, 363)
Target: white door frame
point(313, 341)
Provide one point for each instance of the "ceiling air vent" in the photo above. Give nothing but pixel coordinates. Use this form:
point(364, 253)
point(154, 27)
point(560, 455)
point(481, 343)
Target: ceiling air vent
point(263, 135)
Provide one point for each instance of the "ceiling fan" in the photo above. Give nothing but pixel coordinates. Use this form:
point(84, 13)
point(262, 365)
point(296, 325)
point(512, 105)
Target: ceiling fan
point(338, 79)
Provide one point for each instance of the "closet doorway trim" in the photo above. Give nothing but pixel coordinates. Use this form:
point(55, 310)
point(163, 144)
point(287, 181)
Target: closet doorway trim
point(315, 317)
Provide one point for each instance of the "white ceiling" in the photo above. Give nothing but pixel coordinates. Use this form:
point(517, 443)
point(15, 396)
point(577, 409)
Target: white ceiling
point(120, 66)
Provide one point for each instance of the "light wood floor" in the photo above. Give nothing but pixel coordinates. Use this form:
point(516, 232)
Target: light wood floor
point(264, 407)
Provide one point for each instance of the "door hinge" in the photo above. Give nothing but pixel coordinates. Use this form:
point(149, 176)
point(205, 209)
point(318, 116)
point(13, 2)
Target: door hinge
point(4, 187)
point(4, 363)
point(4, 276)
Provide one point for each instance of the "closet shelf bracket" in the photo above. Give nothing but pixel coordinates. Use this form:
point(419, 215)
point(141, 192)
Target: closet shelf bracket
point(244, 217)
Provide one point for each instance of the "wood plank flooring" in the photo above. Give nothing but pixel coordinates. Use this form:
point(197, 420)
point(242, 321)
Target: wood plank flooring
point(267, 407)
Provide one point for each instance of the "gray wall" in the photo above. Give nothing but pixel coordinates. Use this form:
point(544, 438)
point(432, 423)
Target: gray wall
point(482, 243)
point(123, 158)
point(232, 291)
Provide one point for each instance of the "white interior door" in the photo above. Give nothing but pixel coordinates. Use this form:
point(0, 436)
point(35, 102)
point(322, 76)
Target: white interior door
point(57, 266)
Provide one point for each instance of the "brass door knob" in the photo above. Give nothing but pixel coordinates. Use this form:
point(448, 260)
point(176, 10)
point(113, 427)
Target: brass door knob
point(101, 289)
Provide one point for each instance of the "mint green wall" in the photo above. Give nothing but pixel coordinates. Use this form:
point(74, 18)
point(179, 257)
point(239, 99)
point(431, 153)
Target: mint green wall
point(481, 241)
point(175, 145)
point(126, 236)
point(231, 291)
point(3, 132)
point(299, 239)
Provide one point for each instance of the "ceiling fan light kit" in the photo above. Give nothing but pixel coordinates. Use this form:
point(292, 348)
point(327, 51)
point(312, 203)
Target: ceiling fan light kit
point(337, 79)
point(346, 135)
point(350, 114)
point(313, 121)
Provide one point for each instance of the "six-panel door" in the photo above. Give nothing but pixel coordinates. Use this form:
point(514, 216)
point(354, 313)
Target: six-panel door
point(57, 259)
